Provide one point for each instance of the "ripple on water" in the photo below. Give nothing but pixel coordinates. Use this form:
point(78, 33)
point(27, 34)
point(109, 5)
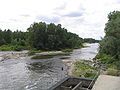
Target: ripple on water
point(27, 74)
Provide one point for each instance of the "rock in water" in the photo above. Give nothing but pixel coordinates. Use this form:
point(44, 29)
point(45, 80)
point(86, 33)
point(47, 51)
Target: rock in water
point(1, 58)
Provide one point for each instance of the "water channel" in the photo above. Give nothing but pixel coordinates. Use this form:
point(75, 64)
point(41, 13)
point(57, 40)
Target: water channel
point(27, 74)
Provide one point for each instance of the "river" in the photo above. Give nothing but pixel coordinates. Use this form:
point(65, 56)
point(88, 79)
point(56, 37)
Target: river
point(27, 74)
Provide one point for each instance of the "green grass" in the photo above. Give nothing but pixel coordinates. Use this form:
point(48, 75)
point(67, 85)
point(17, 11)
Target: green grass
point(112, 64)
point(84, 70)
point(105, 59)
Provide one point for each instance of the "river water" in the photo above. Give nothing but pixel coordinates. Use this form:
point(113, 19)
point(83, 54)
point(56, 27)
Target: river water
point(27, 74)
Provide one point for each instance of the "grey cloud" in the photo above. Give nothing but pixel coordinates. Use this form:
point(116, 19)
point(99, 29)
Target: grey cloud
point(47, 19)
point(77, 13)
point(62, 7)
point(74, 14)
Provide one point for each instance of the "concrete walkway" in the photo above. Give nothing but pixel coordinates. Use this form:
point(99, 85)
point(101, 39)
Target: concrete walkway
point(106, 82)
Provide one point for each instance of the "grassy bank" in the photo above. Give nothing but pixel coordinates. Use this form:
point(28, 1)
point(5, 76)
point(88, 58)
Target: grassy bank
point(112, 65)
point(84, 70)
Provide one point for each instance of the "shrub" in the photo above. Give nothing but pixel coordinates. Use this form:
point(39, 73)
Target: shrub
point(105, 59)
point(6, 48)
point(84, 70)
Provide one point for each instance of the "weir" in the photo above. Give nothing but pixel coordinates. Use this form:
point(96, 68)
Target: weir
point(74, 83)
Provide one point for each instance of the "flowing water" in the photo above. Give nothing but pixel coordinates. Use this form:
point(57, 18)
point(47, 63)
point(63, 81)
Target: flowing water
point(27, 74)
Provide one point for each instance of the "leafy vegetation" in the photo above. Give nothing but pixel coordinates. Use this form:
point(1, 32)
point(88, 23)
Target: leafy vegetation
point(44, 36)
point(110, 45)
point(109, 52)
point(40, 36)
point(105, 59)
point(84, 70)
point(16, 40)
point(90, 40)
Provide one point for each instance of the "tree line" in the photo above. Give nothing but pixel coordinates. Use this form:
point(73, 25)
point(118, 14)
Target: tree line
point(41, 36)
point(52, 37)
point(8, 37)
point(90, 40)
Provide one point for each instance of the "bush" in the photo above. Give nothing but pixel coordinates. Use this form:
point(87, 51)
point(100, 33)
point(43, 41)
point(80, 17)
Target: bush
point(90, 75)
point(17, 48)
point(84, 70)
point(14, 48)
point(105, 59)
point(6, 48)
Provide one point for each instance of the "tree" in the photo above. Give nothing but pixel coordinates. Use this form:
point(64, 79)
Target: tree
point(44, 36)
point(110, 45)
point(7, 35)
point(2, 41)
point(37, 35)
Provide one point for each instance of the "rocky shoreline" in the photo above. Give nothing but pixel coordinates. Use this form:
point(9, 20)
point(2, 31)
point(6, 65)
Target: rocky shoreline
point(70, 65)
point(12, 56)
point(15, 55)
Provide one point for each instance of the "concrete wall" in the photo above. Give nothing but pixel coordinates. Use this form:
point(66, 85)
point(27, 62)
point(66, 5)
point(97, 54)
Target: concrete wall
point(71, 81)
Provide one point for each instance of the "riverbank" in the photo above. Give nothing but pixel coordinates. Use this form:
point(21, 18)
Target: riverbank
point(81, 68)
point(82, 64)
point(25, 72)
point(15, 55)
point(108, 64)
point(12, 56)
point(73, 65)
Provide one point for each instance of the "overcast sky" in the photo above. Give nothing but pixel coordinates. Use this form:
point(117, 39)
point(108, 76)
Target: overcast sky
point(86, 18)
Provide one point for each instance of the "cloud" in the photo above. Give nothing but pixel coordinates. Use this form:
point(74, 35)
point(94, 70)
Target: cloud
point(87, 18)
point(74, 14)
point(48, 19)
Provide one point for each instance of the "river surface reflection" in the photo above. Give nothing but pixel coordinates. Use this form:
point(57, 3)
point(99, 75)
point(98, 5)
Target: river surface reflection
point(26, 74)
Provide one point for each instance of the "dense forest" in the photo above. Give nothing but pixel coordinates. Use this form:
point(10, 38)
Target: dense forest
point(109, 50)
point(40, 36)
point(52, 37)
